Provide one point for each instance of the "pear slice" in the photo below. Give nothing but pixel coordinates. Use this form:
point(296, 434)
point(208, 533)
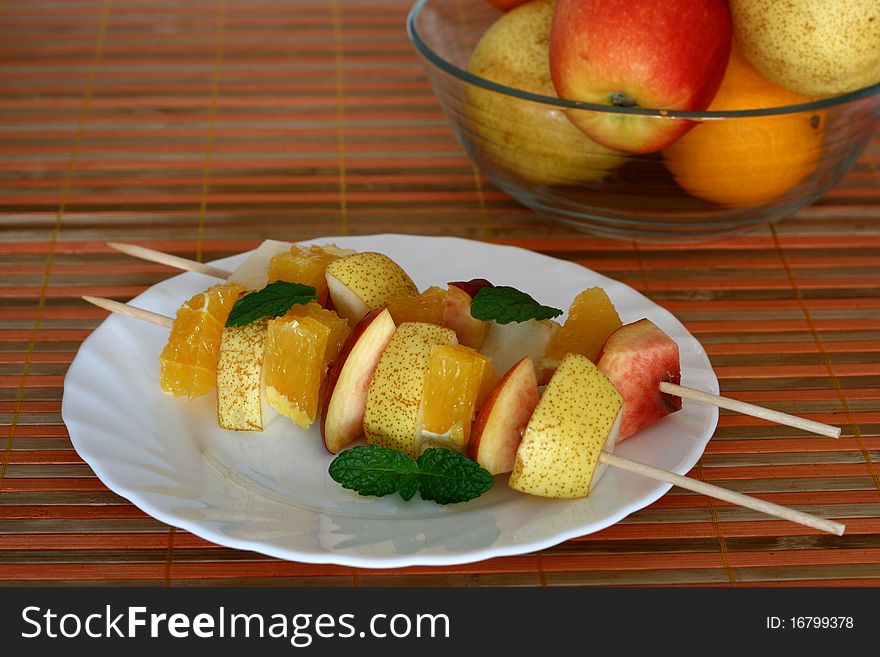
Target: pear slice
point(364, 281)
point(574, 421)
point(241, 397)
point(391, 414)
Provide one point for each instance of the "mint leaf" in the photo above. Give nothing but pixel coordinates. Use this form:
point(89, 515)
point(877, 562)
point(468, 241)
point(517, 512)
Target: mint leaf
point(374, 470)
point(273, 300)
point(448, 477)
point(440, 475)
point(506, 304)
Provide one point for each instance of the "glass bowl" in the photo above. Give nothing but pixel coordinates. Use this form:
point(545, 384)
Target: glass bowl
point(527, 145)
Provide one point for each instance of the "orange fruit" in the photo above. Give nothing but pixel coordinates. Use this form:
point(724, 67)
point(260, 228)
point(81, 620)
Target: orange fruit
point(338, 326)
point(188, 363)
point(293, 367)
point(299, 349)
point(306, 265)
point(747, 161)
point(426, 307)
point(453, 385)
point(591, 319)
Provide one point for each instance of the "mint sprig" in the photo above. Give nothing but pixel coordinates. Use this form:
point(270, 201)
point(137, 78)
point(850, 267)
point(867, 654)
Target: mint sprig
point(506, 304)
point(441, 475)
point(378, 471)
point(448, 477)
point(272, 301)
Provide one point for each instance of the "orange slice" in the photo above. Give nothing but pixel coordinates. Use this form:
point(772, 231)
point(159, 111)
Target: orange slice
point(306, 265)
point(453, 386)
point(591, 319)
point(294, 366)
point(188, 363)
point(426, 307)
point(300, 346)
point(338, 326)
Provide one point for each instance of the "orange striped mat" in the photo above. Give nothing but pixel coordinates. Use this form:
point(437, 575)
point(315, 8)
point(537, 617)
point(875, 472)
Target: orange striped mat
point(200, 127)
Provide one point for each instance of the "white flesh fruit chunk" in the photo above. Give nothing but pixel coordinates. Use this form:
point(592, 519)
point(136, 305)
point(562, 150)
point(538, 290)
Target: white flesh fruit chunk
point(574, 419)
point(241, 396)
point(253, 273)
point(507, 344)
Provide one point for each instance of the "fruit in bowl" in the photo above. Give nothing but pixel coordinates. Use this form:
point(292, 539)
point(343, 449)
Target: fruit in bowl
point(654, 53)
point(754, 160)
point(813, 47)
point(700, 143)
point(536, 142)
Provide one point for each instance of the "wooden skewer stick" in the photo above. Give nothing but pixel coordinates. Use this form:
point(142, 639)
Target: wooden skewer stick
point(750, 409)
point(151, 255)
point(131, 311)
point(609, 459)
point(720, 493)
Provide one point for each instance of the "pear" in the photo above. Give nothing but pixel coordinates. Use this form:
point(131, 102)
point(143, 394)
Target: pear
point(577, 417)
point(241, 398)
point(533, 140)
point(812, 47)
point(391, 413)
point(364, 281)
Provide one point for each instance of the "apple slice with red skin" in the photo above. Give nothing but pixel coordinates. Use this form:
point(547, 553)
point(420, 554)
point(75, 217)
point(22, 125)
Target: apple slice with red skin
point(456, 314)
point(669, 54)
point(342, 413)
point(637, 357)
point(472, 286)
point(499, 425)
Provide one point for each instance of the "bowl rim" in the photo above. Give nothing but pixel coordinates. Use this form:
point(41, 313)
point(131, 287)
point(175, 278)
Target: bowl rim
point(430, 55)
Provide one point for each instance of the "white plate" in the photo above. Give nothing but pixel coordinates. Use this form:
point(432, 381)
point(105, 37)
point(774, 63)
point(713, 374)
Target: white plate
point(270, 492)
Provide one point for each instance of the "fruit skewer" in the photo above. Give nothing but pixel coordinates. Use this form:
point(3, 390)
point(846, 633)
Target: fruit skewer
point(185, 264)
point(599, 456)
point(666, 387)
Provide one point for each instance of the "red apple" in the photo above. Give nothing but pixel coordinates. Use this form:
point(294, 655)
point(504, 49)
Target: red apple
point(656, 54)
point(349, 378)
point(456, 314)
point(506, 5)
point(637, 357)
point(499, 425)
point(472, 286)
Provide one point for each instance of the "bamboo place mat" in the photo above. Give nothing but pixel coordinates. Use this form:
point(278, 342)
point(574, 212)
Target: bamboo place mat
point(200, 127)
